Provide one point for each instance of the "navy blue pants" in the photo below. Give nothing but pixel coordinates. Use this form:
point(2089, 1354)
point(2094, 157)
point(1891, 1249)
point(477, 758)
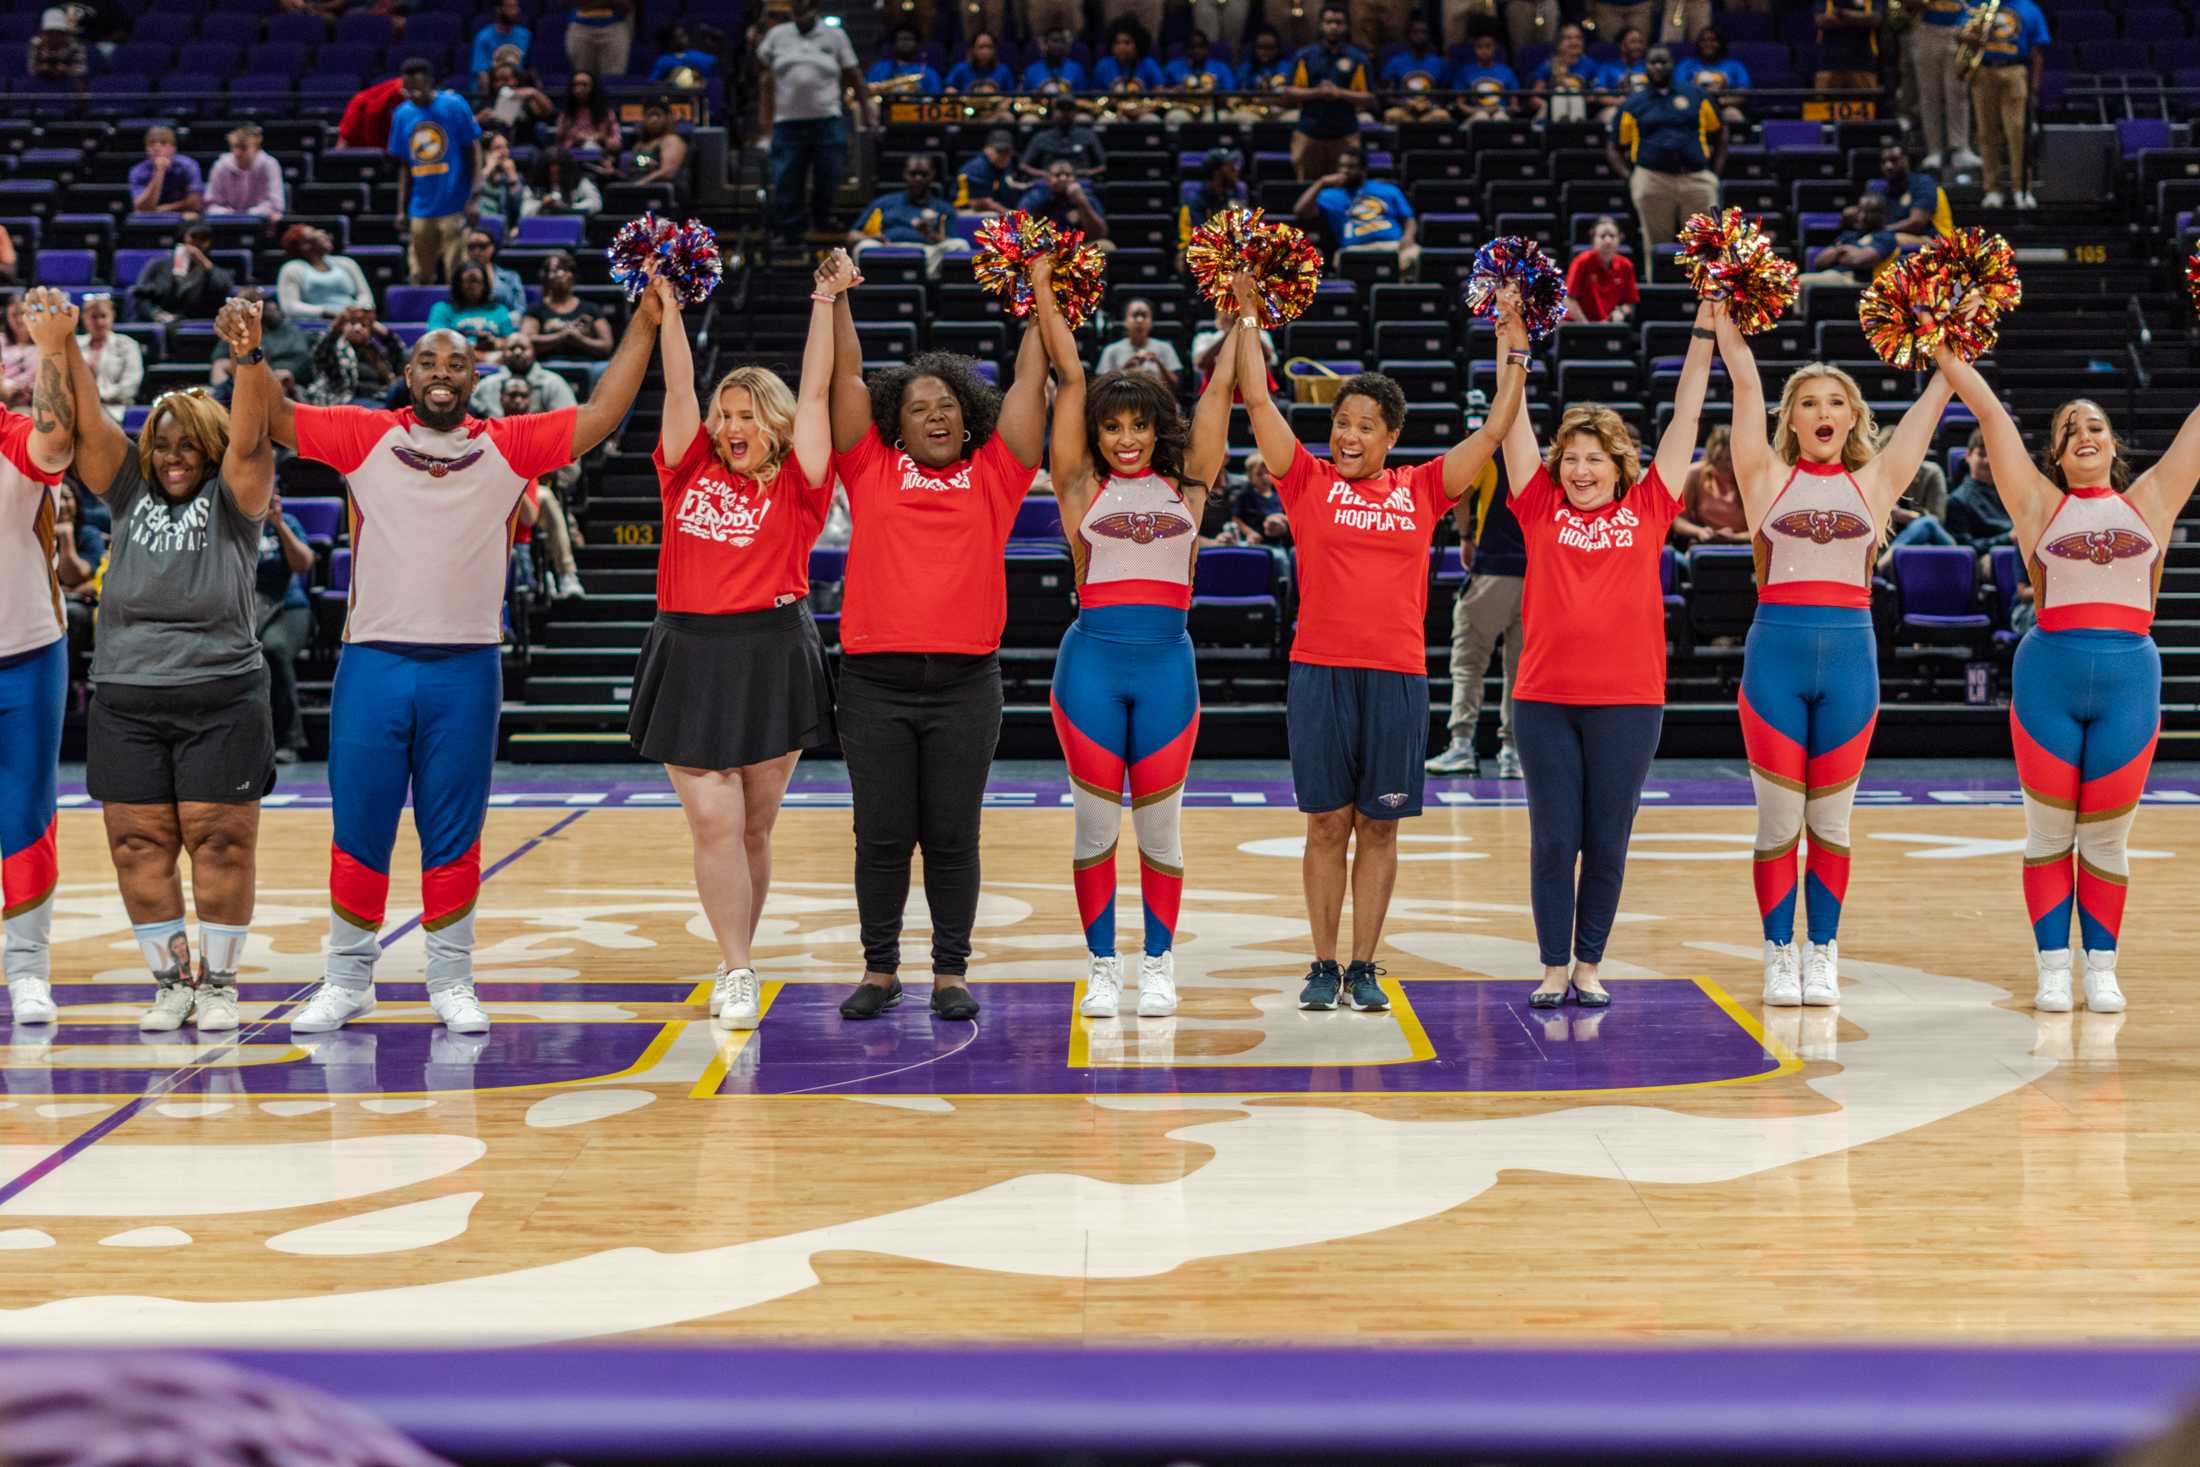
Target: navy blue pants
point(1585, 766)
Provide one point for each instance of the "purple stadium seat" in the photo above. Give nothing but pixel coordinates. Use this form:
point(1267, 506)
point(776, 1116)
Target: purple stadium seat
point(219, 57)
point(1781, 133)
point(339, 573)
point(143, 57)
point(165, 27)
point(1038, 520)
point(308, 30)
point(2113, 56)
point(196, 84)
point(1234, 599)
point(2136, 134)
point(366, 28)
point(1939, 588)
point(232, 28)
point(348, 58)
point(128, 262)
point(321, 518)
point(413, 302)
point(558, 230)
point(827, 563)
point(67, 267)
point(432, 29)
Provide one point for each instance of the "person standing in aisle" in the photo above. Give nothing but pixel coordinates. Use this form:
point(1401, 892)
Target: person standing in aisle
point(1487, 611)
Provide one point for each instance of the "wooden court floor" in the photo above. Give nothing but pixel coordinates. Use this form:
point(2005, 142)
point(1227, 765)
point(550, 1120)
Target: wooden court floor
point(1934, 1161)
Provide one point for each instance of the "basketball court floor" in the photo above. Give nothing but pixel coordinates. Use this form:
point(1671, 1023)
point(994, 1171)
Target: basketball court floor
point(1933, 1161)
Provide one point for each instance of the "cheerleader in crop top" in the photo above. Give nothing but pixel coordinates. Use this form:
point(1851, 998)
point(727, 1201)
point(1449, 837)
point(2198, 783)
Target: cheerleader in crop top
point(1126, 693)
point(2088, 696)
point(1817, 500)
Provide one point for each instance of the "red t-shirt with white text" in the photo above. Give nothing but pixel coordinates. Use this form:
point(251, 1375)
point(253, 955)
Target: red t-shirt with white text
point(1592, 608)
point(924, 562)
point(733, 544)
point(1362, 548)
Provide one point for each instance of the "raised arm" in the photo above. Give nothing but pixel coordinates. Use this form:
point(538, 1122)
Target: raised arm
point(1209, 452)
point(600, 416)
point(1677, 449)
point(1465, 460)
point(851, 400)
point(1271, 430)
point(683, 413)
point(2025, 491)
point(2160, 493)
point(813, 419)
point(248, 464)
point(1752, 449)
point(1887, 475)
point(54, 403)
point(1023, 421)
point(1069, 456)
point(1523, 455)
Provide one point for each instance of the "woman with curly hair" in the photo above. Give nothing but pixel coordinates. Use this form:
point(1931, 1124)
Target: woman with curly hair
point(731, 686)
point(2088, 696)
point(1132, 492)
point(1818, 501)
point(1590, 700)
point(180, 743)
point(935, 462)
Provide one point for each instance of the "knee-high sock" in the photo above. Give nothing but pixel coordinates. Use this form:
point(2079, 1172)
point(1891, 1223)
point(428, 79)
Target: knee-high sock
point(2106, 807)
point(1096, 790)
point(1157, 814)
point(1830, 794)
point(2050, 822)
point(1776, 771)
point(27, 880)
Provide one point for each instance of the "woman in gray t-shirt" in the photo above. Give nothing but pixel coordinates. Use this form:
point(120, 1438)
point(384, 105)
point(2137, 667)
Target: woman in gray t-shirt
point(180, 743)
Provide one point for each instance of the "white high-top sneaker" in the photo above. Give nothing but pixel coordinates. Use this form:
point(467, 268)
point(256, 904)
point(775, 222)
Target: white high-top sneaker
point(1103, 988)
point(1783, 975)
point(2052, 996)
point(30, 1001)
point(2102, 995)
point(742, 1008)
point(1157, 986)
point(1822, 975)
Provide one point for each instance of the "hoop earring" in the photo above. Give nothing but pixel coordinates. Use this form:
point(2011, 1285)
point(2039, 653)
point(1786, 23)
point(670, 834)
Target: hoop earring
point(966, 435)
point(898, 446)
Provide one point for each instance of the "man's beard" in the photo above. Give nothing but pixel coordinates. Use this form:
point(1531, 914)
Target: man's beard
point(440, 421)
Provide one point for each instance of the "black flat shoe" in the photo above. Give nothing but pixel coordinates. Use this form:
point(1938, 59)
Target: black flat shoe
point(1601, 1000)
point(954, 1002)
point(870, 1000)
point(1549, 1000)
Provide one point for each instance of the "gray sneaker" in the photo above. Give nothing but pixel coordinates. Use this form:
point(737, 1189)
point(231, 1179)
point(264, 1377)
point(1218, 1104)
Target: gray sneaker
point(1458, 759)
point(171, 1006)
point(1508, 763)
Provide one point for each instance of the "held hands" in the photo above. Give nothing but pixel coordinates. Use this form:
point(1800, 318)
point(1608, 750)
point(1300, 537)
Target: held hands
point(1041, 276)
point(238, 323)
point(1512, 332)
point(52, 318)
point(836, 274)
point(1246, 292)
point(668, 299)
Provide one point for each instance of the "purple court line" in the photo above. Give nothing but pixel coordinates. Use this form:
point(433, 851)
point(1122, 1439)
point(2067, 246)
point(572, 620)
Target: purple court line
point(166, 1085)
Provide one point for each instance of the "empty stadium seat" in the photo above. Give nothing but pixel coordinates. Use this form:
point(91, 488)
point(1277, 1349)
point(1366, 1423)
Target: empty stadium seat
point(1722, 591)
point(1938, 586)
point(1235, 600)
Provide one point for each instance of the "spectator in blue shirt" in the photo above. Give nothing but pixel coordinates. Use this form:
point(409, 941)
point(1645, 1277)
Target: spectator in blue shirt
point(435, 135)
point(1064, 200)
point(1486, 79)
point(905, 73)
point(1267, 69)
point(981, 69)
point(1413, 75)
point(1127, 69)
point(2001, 90)
point(504, 29)
point(990, 183)
point(1863, 245)
point(1055, 70)
point(1331, 81)
point(917, 215)
point(167, 182)
point(1715, 74)
point(1668, 143)
point(1567, 76)
point(1917, 206)
point(676, 53)
point(1198, 70)
point(1631, 73)
point(1200, 202)
point(1362, 213)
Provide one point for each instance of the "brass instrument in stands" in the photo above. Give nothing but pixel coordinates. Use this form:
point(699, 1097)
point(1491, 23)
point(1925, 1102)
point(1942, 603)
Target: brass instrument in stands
point(1900, 16)
point(908, 81)
point(1973, 36)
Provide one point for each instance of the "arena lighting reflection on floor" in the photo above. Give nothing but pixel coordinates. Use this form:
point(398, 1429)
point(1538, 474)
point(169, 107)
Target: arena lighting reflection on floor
point(1440, 1037)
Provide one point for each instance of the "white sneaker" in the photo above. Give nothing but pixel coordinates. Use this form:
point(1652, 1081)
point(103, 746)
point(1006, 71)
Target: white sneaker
point(1930, 163)
point(1157, 986)
point(721, 985)
point(1822, 975)
point(2102, 995)
point(1965, 158)
point(171, 1006)
point(741, 1009)
point(1458, 758)
point(1783, 975)
point(1508, 763)
point(217, 1009)
point(460, 1011)
point(1103, 989)
point(330, 1008)
point(2052, 996)
point(1994, 200)
point(30, 1001)
point(567, 588)
point(2026, 200)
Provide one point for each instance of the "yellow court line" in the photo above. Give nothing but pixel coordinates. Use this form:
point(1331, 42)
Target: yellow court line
point(735, 1040)
point(1419, 1047)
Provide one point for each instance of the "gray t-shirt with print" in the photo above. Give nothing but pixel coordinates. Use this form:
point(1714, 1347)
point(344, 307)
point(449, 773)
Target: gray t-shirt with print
point(176, 605)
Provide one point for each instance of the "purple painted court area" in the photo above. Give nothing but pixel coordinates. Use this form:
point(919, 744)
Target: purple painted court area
point(1485, 1038)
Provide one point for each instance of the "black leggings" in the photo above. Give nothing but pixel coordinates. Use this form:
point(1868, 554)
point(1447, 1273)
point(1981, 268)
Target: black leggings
point(918, 731)
point(1585, 767)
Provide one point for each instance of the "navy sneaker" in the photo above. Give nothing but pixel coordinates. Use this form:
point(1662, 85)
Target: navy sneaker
point(1367, 994)
point(1322, 982)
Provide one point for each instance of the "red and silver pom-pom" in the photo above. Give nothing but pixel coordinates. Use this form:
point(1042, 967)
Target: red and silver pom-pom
point(650, 248)
point(1520, 262)
point(1008, 243)
point(1283, 262)
point(1726, 256)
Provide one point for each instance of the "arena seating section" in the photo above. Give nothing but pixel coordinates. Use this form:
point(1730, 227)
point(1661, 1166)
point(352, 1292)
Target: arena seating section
point(2103, 314)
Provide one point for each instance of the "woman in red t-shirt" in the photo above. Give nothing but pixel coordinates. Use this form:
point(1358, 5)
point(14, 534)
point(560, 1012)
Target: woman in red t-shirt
point(936, 463)
point(731, 686)
point(1600, 283)
point(1590, 699)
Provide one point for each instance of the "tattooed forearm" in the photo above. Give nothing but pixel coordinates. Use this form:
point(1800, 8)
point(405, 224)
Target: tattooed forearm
point(53, 405)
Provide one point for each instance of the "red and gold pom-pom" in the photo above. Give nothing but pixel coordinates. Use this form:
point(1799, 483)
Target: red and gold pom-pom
point(1008, 243)
point(1283, 262)
point(1902, 313)
point(1726, 256)
point(2192, 279)
point(1984, 267)
point(1952, 293)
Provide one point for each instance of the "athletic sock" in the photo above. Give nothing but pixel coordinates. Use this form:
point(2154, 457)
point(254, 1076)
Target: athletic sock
point(167, 950)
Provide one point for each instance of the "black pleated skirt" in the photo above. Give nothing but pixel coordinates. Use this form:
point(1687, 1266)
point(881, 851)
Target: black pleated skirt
point(720, 692)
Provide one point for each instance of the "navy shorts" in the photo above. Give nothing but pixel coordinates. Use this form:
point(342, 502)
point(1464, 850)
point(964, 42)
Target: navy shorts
point(1358, 738)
